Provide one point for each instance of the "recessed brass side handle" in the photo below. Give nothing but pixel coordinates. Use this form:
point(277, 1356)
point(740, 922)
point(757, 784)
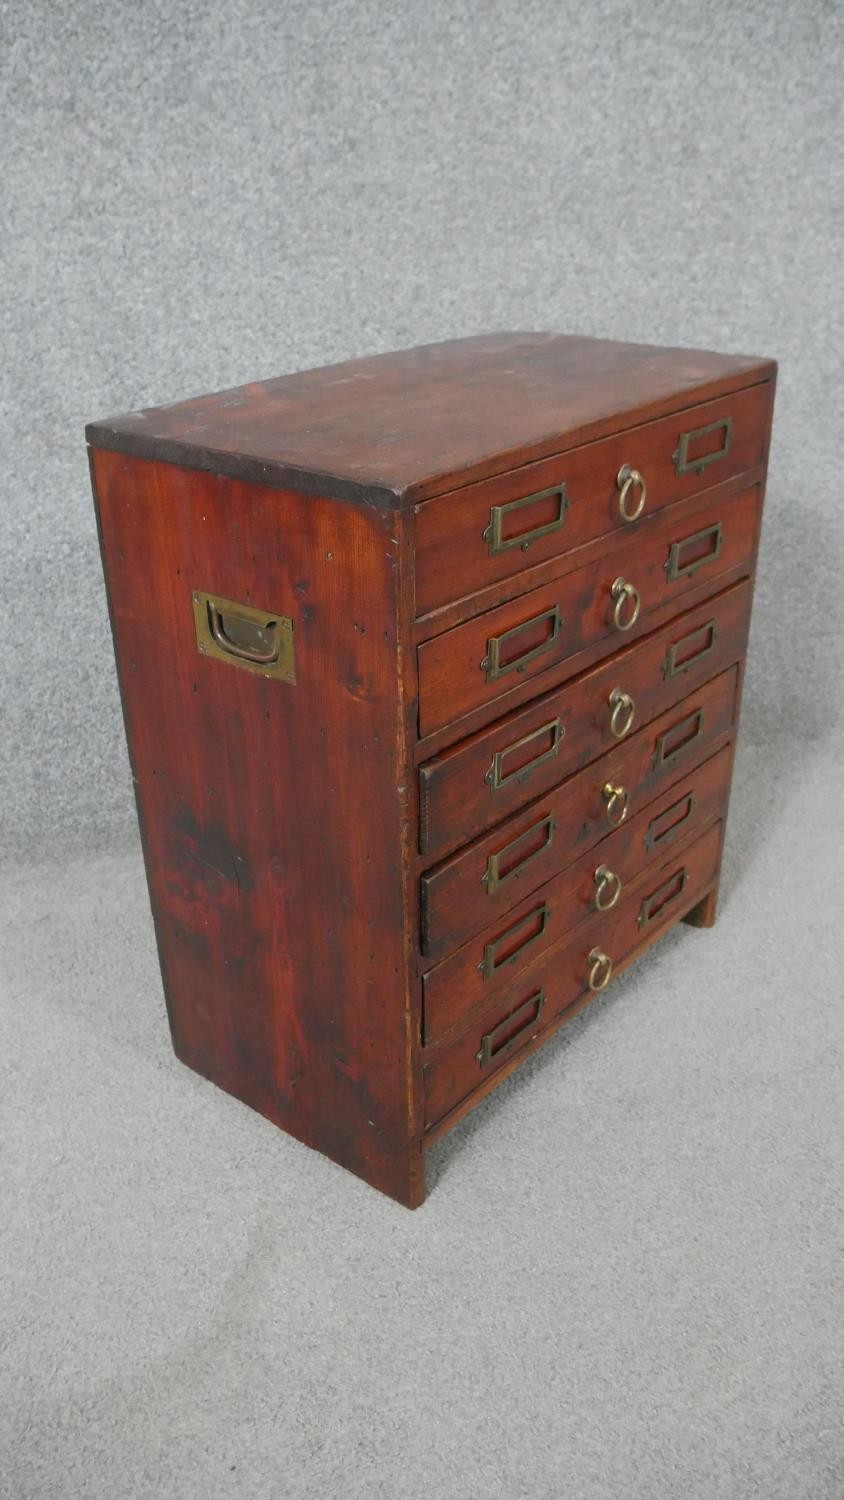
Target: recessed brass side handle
point(617, 799)
point(627, 601)
point(600, 970)
point(629, 480)
point(607, 888)
point(262, 653)
point(622, 713)
point(244, 636)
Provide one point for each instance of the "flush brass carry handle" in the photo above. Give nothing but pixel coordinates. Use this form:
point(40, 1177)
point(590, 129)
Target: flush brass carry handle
point(629, 480)
point(522, 1020)
point(622, 713)
point(262, 653)
point(687, 463)
point(497, 777)
point(607, 888)
point(244, 636)
point(534, 925)
point(617, 799)
point(494, 536)
point(600, 970)
point(495, 667)
point(627, 602)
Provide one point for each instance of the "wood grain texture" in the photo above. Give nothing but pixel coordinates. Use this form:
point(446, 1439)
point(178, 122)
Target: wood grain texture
point(271, 813)
point(561, 731)
point(459, 983)
point(316, 962)
point(456, 898)
point(661, 894)
point(394, 428)
point(452, 679)
point(453, 553)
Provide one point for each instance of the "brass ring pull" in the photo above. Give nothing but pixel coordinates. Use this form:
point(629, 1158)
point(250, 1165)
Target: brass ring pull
point(600, 970)
point(607, 888)
point(617, 799)
point(625, 593)
point(622, 713)
point(627, 480)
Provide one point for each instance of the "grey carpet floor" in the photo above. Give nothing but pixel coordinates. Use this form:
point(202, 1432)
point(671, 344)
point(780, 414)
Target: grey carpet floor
point(625, 1281)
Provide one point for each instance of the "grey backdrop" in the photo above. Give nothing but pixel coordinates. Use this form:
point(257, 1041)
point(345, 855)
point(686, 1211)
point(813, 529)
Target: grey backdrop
point(624, 1283)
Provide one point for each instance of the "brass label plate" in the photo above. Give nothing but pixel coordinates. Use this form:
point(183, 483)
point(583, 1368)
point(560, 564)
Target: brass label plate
point(255, 639)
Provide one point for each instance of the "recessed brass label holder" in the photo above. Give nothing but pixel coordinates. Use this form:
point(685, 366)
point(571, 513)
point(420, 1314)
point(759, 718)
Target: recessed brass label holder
point(494, 536)
point(685, 463)
point(243, 636)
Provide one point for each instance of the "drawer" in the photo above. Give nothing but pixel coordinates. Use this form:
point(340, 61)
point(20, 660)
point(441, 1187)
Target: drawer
point(473, 786)
point(476, 536)
point(609, 600)
point(659, 897)
point(492, 961)
point(473, 888)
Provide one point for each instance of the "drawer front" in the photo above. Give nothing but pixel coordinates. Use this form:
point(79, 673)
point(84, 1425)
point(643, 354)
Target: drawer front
point(476, 536)
point(583, 967)
point(494, 959)
point(470, 788)
point(609, 600)
point(474, 887)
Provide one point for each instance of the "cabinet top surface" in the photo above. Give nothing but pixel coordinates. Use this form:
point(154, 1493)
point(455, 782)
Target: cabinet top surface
point(392, 429)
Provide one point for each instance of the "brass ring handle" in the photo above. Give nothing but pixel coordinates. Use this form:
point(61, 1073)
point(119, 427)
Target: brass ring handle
point(261, 657)
point(627, 480)
point(607, 888)
point(624, 593)
point(600, 970)
point(622, 713)
point(617, 799)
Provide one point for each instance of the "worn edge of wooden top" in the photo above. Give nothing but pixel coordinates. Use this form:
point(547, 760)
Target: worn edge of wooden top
point(133, 434)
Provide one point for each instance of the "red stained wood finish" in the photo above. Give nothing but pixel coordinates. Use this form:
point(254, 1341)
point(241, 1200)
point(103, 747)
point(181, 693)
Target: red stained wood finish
point(273, 851)
point(319, 850)
point(453, 555)
point(468, 789)
point(659, 896)
point(452, 680)
point(492, 960)
point(458, 896)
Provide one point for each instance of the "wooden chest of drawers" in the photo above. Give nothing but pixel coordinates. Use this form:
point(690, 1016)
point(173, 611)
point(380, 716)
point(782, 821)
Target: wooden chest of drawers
point(431, 667)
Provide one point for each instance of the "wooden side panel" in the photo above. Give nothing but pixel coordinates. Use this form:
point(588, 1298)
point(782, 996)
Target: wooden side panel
point(271, 813)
